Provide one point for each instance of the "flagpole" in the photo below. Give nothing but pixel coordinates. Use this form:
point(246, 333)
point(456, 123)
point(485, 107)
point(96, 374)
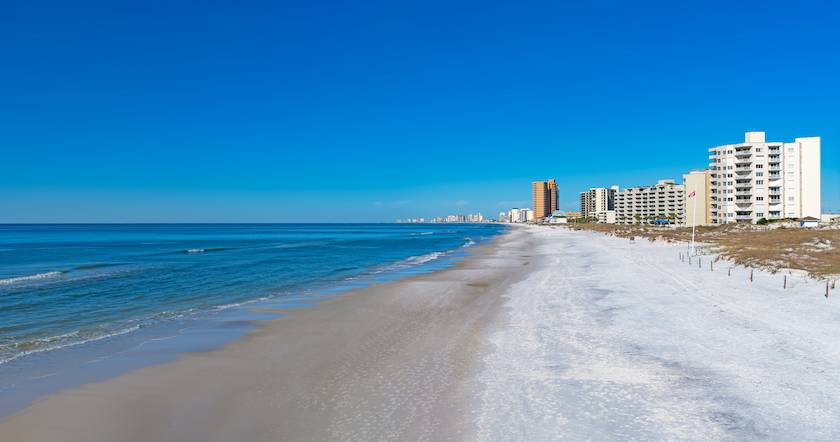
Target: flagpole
point(694, 223)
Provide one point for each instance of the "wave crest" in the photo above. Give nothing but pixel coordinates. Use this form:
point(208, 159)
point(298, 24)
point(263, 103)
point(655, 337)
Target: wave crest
point(19, 279)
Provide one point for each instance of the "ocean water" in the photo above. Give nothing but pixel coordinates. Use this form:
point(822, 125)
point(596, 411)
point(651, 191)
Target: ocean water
point(71, 293)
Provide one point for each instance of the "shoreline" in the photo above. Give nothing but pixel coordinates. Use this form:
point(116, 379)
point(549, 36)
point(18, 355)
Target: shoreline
point(382, 315)
point(544, 334)
point(30, 378)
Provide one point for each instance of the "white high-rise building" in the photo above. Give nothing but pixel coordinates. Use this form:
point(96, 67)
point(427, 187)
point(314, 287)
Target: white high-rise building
point(759, 179)
point(597, 200)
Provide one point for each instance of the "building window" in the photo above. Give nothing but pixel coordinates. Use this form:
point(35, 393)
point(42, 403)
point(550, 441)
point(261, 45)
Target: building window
point(759, 182)
point(760, 214)
point(759, 198)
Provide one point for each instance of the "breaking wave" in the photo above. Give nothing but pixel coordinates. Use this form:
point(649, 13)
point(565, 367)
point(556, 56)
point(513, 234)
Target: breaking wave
point(20, 279)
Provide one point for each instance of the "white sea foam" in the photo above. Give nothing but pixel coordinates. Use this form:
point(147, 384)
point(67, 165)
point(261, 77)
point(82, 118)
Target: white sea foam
point(414, 260)
point(238, 304)
point(19, 279)
point(195, 250)
point(66, 344)
point(411, 261)
point(469, 242)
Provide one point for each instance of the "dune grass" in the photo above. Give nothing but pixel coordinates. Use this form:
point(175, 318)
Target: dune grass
point(816, 251)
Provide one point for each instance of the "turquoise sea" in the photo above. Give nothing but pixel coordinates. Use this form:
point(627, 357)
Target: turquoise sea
point(83, 302)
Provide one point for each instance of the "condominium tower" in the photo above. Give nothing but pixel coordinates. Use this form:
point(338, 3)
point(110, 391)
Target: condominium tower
point(544, 195)
point(759, 179)
point(596, 200)
point(643, 205)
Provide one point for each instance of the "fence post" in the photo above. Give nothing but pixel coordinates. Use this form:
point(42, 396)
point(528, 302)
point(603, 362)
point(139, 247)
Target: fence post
point(711, 266)
point(784, 284)
point(751, 275)
point(699, 263)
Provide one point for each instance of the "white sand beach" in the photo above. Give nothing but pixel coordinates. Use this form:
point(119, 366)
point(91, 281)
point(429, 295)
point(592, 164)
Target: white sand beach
point(546, 334)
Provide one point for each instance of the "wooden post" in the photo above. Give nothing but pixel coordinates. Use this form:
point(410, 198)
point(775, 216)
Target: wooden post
point(712, 266)
point(699, 263)
point(784, 284)
point(729, 271)
point(751, 275)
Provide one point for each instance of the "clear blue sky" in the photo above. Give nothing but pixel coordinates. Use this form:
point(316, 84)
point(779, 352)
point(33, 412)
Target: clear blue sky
point(370, 111)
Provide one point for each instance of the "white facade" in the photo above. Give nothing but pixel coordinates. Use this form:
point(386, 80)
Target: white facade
point(596, 200)
point(644, 205)
point(759, 179)
point(606, 216)
point(515, 215)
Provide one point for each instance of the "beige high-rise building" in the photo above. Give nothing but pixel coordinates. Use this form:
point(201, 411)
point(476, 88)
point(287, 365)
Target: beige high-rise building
point(763, 179)
point(697, 198)
point(647, 204)
point(544, 196)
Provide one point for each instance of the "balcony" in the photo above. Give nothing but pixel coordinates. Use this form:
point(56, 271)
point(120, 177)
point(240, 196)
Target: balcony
point(744, 217)
point(743, 193)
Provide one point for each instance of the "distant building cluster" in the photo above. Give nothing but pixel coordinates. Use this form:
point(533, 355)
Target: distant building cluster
point(545, 197)
point(745, 182)
point(469, 218)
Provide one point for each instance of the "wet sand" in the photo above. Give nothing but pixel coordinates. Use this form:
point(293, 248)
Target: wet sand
point(393, 361)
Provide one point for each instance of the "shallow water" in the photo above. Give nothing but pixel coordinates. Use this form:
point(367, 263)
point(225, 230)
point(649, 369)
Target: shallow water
point(80, 302)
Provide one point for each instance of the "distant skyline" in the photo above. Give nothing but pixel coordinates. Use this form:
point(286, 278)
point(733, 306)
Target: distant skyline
point(373, 111)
